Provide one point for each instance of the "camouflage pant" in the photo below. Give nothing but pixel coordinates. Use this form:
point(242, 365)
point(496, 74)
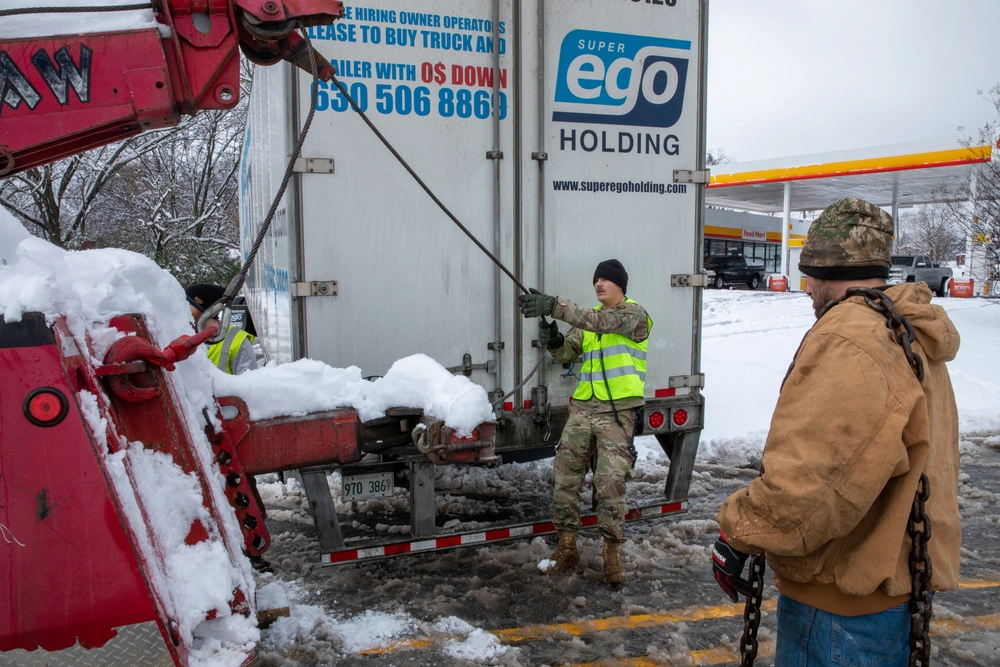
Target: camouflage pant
point(586, 432)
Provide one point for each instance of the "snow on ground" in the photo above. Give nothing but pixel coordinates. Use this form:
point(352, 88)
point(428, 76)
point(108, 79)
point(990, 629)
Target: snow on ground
point(749, 339)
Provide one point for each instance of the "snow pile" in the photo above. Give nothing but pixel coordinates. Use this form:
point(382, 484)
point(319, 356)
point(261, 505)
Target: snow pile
point(480, 646)
point(314, 634)
point(310, 386)
point(75, 23)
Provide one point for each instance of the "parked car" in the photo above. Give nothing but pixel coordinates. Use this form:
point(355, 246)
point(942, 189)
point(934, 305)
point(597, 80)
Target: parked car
point(919, 268)
point(723, 270)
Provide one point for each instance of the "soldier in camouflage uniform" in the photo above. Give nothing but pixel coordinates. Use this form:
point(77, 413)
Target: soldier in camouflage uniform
point(612, 339)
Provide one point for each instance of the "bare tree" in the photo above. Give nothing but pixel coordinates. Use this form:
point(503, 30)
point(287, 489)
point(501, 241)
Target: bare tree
point(57, 200)
point(931, 231)
point(177, 203)
point(977, 215)
point(718, 156)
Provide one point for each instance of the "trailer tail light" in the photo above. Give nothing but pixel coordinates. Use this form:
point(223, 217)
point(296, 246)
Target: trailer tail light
point(680, 416)
point(655, 419)
point(45, 406)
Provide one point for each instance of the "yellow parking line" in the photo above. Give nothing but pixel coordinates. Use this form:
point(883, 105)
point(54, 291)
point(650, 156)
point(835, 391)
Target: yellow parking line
point(689, 614)
point(966, 584)
point(535, 632)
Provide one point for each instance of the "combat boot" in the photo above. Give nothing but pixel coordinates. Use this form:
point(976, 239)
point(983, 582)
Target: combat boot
point(566, 556)
point(614, 572)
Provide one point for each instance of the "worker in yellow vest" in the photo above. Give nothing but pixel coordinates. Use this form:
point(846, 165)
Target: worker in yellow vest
point(233, 354)
point(611, 339)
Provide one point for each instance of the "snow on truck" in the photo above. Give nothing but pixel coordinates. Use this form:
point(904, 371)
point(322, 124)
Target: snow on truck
point(560, 135)
point(126, 502)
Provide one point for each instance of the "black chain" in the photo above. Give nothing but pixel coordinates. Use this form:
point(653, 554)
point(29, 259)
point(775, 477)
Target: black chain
point(919, 524)
point(881, 303)
point(919, 529)
point(751, 612)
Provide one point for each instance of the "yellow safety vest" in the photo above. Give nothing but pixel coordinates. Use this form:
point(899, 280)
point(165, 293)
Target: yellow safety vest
point(623, 369)
point(223, 352)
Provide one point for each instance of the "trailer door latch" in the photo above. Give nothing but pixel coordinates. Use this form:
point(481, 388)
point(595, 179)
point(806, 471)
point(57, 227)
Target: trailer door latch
point(314, 288)
point(692, 280)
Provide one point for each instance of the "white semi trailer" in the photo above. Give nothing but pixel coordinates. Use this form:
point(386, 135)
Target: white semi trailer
point(561, 133)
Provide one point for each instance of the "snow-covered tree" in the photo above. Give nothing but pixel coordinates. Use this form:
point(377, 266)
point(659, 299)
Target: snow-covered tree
point(56, 201)
point(978, 214)
point(177, 203)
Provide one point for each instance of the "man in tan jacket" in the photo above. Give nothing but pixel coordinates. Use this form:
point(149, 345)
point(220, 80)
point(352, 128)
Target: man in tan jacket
point(858, 421)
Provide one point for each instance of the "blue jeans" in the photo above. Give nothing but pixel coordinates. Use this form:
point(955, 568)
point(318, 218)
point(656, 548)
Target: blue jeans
point(809, 637)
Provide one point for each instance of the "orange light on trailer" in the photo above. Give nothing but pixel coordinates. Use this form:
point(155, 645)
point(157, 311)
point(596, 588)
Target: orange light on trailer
point(655, 419)
point(680, 416)
point(45, 406)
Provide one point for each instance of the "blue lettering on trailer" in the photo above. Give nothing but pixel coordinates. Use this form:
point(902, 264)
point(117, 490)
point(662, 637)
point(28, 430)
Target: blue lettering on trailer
point(620, 79)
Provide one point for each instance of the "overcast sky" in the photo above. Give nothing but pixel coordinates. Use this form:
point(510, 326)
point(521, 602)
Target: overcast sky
point(793, 77)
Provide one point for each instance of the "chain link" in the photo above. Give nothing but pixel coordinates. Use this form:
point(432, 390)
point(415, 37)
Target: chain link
point(751, 611)
point(919, 529)
point(881, 303)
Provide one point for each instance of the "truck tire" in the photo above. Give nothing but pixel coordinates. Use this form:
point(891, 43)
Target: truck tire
point(942, 291)
point(754, 281)
point(719, 282)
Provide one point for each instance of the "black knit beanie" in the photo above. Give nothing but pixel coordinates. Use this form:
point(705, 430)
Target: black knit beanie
point(612, 269)
point(203, 296)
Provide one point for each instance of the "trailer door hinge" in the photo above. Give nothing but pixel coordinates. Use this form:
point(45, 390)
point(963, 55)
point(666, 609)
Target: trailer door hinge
point(689, 176)
point(313, 165)
point(314, 288)
point(494, 155)
point(541, 156)
point(677, 381)
point(692, 280)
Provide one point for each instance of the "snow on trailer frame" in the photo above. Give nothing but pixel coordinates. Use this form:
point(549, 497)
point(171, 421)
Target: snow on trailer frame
point(360, 268)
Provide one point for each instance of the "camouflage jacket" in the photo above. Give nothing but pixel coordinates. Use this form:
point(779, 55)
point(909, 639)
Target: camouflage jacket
point(626, 319)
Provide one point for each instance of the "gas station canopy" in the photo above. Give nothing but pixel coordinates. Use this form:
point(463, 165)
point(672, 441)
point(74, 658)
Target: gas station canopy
point(901, 175)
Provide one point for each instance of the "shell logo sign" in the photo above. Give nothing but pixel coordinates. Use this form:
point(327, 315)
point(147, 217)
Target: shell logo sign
point(961, 288)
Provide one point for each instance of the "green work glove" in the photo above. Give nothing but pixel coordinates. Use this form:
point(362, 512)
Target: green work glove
point(536, 304)
point(549, 336)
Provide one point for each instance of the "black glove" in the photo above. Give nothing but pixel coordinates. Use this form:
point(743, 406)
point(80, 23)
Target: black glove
point(549, 336)
point(727, 565)
point(536, 304)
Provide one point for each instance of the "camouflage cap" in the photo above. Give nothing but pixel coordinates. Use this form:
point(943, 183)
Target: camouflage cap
point(850, 240)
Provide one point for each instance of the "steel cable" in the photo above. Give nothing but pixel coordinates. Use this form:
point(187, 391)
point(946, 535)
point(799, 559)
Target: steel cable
point(420, 182)
point(74, 10)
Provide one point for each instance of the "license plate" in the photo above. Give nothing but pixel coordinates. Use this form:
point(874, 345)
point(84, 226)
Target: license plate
point(363, 487)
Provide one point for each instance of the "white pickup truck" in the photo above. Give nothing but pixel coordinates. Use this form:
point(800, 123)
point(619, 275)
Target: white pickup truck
point(920, 269)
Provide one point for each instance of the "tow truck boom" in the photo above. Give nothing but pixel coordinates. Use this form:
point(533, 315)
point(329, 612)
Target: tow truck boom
point(66, 94)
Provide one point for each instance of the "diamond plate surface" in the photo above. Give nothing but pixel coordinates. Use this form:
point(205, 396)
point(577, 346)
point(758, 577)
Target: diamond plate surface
point(136, 645)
